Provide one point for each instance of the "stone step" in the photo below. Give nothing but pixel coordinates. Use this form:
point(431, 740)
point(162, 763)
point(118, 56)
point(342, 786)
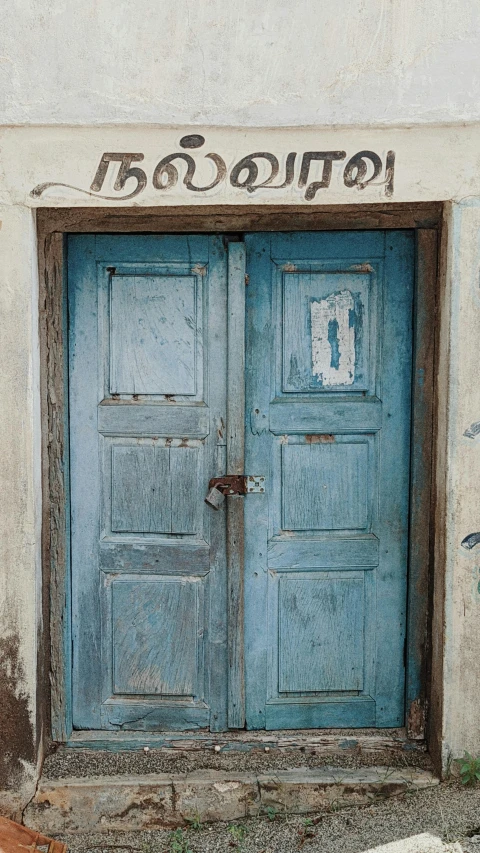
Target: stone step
point(93, 804)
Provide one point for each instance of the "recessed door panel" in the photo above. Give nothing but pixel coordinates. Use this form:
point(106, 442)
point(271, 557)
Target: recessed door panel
point(325, 485)
point(153, 334)
point(155, 487)
point(320, 642)
point(156, 628)
point(328, 323)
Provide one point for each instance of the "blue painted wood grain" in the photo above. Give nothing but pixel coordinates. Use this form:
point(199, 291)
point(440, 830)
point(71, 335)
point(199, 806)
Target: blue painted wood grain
point(321, 624)
point(155, 637)
point(153, 331)
point(329, 354)
point(324, 486)
point(316, 295)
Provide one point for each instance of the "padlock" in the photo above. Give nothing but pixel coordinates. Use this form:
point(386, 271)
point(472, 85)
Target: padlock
point(215, 498)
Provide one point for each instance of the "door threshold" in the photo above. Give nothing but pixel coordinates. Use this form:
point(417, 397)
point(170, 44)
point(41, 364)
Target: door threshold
point(316, 740)
point(126, 758)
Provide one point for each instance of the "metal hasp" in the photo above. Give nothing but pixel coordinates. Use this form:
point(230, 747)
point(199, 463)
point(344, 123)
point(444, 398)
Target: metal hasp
point(232, 484)
point(255, 484)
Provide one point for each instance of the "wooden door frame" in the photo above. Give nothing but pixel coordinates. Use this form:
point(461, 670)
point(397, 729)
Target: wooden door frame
point(53, 224)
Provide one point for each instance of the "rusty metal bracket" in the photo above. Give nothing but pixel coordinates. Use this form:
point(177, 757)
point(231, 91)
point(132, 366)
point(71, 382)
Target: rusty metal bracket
point(233, 484)
point(238, 484)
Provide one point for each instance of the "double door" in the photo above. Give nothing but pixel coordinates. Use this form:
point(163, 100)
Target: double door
point(287, 355)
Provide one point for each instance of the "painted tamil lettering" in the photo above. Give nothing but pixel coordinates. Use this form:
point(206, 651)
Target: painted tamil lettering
point(311, 172)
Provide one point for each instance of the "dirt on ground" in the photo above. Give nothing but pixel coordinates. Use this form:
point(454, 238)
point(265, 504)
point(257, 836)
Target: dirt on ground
point(450, 811)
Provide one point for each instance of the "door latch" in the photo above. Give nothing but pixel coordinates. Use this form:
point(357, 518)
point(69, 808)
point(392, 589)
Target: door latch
point(232, 484)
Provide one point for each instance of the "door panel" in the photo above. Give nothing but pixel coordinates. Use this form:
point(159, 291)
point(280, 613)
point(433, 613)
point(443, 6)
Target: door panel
point(147, 413)
point(328, 354)
point(320, 633)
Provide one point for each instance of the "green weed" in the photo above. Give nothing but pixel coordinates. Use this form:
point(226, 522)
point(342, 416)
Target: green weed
point(271, 812)
point(469, 769)
point(177, 842)
point(307, 831)
point(237, 832)
point(194, 821)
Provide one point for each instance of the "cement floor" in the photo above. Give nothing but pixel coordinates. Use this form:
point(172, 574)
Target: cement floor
point(450, 811)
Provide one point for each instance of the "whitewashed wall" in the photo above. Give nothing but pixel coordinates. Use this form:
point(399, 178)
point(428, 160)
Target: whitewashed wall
point(240, 62)
point(459, 481)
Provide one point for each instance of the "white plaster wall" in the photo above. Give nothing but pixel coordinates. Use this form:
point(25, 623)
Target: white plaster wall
point(240, 62)
point(462, 467)
point(20, 499)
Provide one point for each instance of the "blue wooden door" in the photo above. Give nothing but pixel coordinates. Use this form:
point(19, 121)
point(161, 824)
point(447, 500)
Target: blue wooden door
point(328, 355)
point(147, 357)
point(328, 361)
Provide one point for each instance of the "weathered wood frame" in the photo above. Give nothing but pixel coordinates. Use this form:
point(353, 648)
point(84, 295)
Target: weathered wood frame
point(52, 226)
point(235, 465)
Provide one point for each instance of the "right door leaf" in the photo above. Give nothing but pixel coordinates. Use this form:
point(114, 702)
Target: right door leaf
point(329, 349)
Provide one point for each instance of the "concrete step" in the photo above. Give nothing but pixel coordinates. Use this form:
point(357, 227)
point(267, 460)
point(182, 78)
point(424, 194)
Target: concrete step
point(81, 804)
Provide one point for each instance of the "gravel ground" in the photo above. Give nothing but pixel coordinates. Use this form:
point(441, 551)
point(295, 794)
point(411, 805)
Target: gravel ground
point(76, 762)
point(448, 811)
